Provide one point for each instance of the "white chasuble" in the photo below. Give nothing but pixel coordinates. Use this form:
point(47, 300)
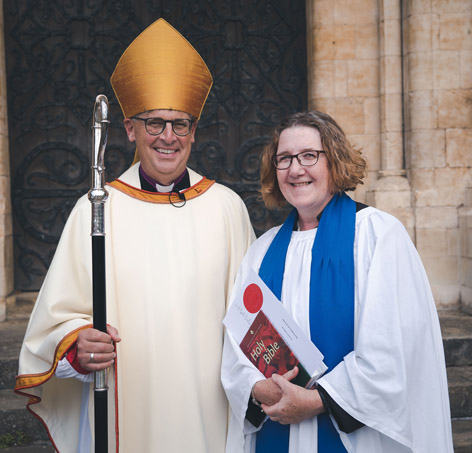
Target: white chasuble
point(169, 274)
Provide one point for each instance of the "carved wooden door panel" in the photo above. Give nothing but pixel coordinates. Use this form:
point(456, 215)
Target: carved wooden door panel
point(61, 54)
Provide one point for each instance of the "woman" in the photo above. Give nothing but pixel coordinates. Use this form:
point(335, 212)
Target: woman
point(352, 279)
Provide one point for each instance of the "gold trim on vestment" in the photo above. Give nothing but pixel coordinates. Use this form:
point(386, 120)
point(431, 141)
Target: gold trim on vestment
point(163, 197)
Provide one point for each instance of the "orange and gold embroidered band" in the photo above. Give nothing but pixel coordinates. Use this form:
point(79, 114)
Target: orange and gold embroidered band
point(33, 380)
point(163, 198)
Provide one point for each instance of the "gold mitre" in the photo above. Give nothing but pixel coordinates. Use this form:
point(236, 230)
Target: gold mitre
point(160, 69)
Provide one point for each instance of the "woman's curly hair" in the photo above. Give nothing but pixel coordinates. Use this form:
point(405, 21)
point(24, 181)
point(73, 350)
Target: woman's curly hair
point(346, 164)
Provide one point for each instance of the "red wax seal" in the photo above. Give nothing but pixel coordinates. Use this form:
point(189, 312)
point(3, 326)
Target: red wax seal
point(253, 298)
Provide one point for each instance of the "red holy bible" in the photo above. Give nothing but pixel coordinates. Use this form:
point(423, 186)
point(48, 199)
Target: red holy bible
point(269, 353)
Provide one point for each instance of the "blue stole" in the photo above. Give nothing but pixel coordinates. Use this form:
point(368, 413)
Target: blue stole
point(331, 304)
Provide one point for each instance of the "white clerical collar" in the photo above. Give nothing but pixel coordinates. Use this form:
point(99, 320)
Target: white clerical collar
point(160, 188)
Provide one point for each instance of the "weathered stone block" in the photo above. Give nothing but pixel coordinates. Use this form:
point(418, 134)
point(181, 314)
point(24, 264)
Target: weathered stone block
point(465, 243)
point(454, 32)
point(437, 242)
point(340, 79)
point(439, 217)
point(323, 79)
point(442, 269)
point(321, 11)
point(431, 242)
point(420, 71)
point(392, 150)
point(466, 272)
point(452, 240)
point(468, 197)
point(390, 32)
point(359, 12)
point(459, 147)
point(435, 31)
point(391, 112)
point(438, 196)
point(363, 78)
point(421, 178)
point(344, 42)
point(457, 177)
point(4, 155)
point(349, 114)
point(7, 256)
point(465, 68)
point(327, 105)
point(422, 111)
point(389, 10)
point(390, 75)
point(445, 296)
point(389, 200)
point(6, 227)
point(416, 7)
point(367, 42)
point(4, 195)
point(419, 35)
point(446, 69)
point(454, 109)
point(426, 148)
point(451, 6)
point(466, 298)
point(371, 116)
point(324, 43)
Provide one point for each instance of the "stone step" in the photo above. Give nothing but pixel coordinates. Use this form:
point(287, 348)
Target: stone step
point(462, 435)
point(460, 391)
point(37, 447)
point(16, 421)
point(456, 328)
point(20, 305)
point(11, 337)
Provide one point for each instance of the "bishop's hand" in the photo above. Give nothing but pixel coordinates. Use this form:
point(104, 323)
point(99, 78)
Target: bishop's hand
point(95, 349)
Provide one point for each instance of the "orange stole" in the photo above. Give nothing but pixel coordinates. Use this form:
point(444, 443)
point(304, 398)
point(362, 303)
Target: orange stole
point(162, 197)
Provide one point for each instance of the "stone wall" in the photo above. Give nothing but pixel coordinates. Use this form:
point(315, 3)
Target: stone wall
point(6, 233)
point(438, 100)
point(397, 76)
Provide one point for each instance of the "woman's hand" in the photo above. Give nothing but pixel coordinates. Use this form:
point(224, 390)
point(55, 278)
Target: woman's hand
point(267, 392)
point(296, 403)
point(100, 344)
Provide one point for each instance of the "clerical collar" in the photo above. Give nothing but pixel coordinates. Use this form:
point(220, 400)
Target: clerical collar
point(296, 226)
point(151, 185)
point(359, 207)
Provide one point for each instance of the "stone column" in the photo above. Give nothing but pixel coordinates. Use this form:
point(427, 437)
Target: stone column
point(6, 232)
point(391, 192)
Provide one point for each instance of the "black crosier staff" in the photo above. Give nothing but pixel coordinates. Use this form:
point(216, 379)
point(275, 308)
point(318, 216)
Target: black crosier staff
point(97, 196)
